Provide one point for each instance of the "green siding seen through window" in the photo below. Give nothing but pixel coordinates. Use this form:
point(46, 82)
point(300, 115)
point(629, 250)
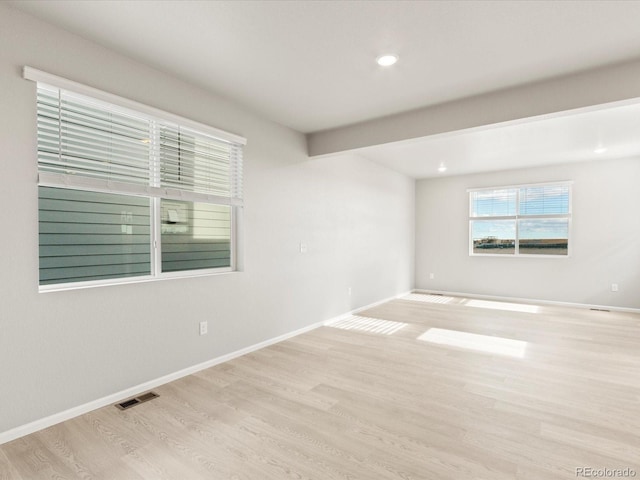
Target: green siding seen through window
point(92, 236)
point(195, 236)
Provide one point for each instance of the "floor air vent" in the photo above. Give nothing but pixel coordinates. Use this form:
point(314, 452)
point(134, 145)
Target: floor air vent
point(136, 401)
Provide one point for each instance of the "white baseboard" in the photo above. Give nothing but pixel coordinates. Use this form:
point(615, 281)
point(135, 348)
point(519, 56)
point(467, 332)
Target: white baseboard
point(529, 300)
point(143, 387)
point(56, 418)
point(366, 307)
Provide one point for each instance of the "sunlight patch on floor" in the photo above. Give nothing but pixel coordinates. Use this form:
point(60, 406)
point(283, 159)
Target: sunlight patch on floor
point(422, 297)
point(366, 324)
point(513, 307)
point(473, 341)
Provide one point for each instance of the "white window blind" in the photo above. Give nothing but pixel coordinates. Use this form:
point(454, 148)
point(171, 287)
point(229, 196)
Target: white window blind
point(544, 200)
point(85, 142)
point(198, 163)
point(86, 138)
point(128, 191)
point(493, 203)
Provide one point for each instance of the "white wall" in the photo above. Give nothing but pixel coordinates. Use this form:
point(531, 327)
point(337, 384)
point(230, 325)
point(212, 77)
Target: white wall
point(605, 238)
point(63, 349)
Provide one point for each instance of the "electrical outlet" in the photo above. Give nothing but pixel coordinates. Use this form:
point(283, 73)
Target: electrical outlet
point(204, 328)
point(349, 291)
point(303, 248)
point(432, 276)
point(614, 287)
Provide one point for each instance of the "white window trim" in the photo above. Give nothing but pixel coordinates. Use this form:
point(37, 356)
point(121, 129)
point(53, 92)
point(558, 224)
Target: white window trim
point(520, 185)
point(517, 253)
point(35, 75)
point(49, 179)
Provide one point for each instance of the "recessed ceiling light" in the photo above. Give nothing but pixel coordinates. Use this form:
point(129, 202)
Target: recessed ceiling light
point(387, 60)
point(600, 150)
point(442, 168)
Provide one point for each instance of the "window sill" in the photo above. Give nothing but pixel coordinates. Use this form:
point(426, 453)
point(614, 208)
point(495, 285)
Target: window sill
point(506, 255)
point(59, 287)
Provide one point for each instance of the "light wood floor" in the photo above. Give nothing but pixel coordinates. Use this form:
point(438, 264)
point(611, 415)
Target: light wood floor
point(352, 404)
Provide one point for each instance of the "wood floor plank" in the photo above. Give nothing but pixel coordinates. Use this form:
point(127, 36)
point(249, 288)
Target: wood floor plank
point(7, 470)
point(33, 460)
point(368, 399)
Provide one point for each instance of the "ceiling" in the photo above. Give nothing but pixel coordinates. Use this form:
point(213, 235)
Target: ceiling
point(606, 132)
point(310, 65)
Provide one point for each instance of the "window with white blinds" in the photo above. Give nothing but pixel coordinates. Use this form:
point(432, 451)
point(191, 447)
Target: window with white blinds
point(520, 220)
point(129, 195)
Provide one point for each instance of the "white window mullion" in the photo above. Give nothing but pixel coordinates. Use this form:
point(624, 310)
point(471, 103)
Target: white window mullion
point(156, 245)
point(154, 181)
point(517, 241)
point(154, 154)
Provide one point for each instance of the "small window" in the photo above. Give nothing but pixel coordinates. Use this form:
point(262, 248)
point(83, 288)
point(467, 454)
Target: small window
point(520, 220)
point(125, 195)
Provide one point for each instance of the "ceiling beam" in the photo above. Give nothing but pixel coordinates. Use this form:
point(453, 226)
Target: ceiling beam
point(592, 87)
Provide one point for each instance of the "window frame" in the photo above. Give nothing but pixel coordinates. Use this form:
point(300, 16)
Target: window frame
point(152, 191)
point(515, 218)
